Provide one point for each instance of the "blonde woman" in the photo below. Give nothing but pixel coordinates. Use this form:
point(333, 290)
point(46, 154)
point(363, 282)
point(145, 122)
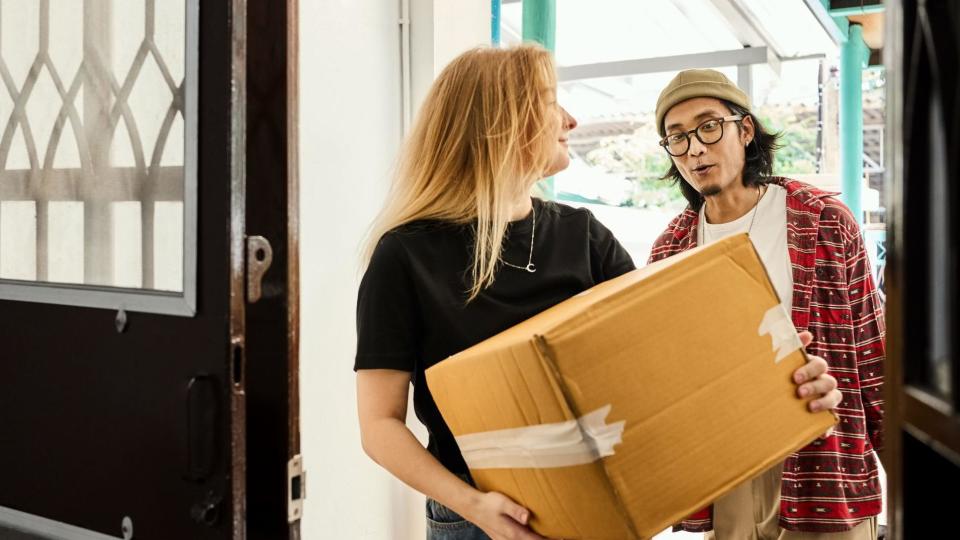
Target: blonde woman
point(461, 252)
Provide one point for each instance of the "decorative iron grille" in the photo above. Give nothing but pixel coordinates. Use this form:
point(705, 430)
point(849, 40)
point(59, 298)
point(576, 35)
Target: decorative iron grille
point(125, 175)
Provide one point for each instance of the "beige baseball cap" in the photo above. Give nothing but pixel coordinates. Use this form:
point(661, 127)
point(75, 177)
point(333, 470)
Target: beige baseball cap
point(694, 83)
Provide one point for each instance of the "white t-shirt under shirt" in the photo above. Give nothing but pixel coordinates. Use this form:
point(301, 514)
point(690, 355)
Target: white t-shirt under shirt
point(769, 236)
point(751, 510)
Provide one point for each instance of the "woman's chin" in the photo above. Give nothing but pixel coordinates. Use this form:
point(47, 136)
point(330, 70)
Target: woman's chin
point(556, 167)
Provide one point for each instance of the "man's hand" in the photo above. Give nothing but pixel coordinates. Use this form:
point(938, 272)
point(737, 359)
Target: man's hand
point(813, 380)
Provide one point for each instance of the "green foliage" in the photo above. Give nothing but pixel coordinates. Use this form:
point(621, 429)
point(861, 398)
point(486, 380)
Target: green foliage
point(639, 158)
point(798, 137)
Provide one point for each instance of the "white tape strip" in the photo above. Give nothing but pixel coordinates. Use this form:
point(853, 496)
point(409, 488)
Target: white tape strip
point(783, 334)
point(543, 446)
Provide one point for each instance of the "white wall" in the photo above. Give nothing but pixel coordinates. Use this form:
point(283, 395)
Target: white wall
point(350, 128)
point(442, 29)
point(351, 111)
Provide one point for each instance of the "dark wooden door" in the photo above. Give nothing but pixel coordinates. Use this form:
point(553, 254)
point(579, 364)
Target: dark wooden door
point(922, 454)
point(147, 378)
point(272, 323)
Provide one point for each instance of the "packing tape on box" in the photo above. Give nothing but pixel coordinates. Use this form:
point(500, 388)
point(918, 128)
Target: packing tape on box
point(544, 446)
point(783, 334)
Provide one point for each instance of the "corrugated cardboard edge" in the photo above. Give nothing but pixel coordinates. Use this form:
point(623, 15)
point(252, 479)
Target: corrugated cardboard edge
point(725, 247)
point(803, 350)
point(543, 350)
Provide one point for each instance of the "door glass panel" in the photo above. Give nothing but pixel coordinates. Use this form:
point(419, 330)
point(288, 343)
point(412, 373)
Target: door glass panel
point(940, 282)
point(94, 143)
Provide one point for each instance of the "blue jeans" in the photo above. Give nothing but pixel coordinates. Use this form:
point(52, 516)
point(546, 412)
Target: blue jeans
point(445, 524)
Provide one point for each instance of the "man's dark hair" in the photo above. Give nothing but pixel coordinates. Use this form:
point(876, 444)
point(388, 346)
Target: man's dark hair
point(758, 162)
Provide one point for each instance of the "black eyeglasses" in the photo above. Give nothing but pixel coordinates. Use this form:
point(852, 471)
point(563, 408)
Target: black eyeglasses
point(709, 132)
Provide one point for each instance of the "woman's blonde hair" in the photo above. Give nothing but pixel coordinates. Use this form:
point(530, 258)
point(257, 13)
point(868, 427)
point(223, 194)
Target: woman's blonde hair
point(483, 137)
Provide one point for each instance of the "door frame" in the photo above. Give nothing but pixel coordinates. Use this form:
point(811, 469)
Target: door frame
point(218, 343)
point(922, 429)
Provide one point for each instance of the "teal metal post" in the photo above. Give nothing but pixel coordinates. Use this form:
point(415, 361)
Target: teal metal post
point(495, 23)
point(540, 25)
point(540, 22)
point(852, 59)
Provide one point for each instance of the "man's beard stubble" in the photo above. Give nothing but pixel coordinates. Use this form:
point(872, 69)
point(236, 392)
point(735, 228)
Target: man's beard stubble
point(711, 191)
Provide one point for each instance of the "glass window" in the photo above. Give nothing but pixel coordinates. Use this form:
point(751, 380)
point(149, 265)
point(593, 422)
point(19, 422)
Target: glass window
point(616, 163)
point(613, 30)
point(97, 152)
point(790, 26)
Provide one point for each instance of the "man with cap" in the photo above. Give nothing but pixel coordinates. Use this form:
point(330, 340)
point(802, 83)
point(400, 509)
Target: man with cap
point(812, 247)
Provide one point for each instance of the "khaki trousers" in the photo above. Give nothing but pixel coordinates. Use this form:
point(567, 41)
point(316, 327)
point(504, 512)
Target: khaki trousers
point(751, 512)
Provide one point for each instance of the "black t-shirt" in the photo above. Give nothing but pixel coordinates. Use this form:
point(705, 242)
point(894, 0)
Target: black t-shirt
point(411, 310)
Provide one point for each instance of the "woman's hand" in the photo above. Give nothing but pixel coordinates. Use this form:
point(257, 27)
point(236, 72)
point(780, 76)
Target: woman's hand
point(500, 517)
point(382, 410)
point(813, 380)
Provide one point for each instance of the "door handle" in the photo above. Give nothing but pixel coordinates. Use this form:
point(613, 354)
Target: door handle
point(259, 257)
point(203, 411)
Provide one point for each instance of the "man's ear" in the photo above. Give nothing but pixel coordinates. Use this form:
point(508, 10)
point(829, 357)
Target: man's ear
point(748, 129)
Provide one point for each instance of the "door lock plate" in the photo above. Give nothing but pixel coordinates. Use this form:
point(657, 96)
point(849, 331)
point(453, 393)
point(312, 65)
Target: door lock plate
point(296, 488)
point(259, 257)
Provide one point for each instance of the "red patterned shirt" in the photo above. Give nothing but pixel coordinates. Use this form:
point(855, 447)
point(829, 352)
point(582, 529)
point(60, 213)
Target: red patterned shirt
point(831, 484)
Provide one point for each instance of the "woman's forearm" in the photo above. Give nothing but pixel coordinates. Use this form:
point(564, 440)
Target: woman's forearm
point(390, 443)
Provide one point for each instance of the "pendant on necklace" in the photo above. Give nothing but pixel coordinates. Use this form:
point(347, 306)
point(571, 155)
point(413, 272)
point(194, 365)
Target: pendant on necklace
point(530, 268)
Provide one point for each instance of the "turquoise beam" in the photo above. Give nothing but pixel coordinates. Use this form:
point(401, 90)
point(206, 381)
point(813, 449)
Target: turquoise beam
point(540, 22)
point(495, 23)
point(852, 55)
point(540, 25)
point(842, 23)
point(865, 10)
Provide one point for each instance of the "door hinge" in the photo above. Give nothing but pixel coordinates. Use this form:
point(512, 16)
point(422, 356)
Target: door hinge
point(296, 488)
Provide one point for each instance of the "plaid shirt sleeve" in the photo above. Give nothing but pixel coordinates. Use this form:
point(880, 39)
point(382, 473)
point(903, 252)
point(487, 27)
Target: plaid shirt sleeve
point(868, 325)
point(666, 244)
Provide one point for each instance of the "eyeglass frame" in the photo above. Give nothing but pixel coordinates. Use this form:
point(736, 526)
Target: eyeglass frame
point(695, 132)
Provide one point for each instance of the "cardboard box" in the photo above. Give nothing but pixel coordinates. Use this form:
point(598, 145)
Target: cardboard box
point(693, 356)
